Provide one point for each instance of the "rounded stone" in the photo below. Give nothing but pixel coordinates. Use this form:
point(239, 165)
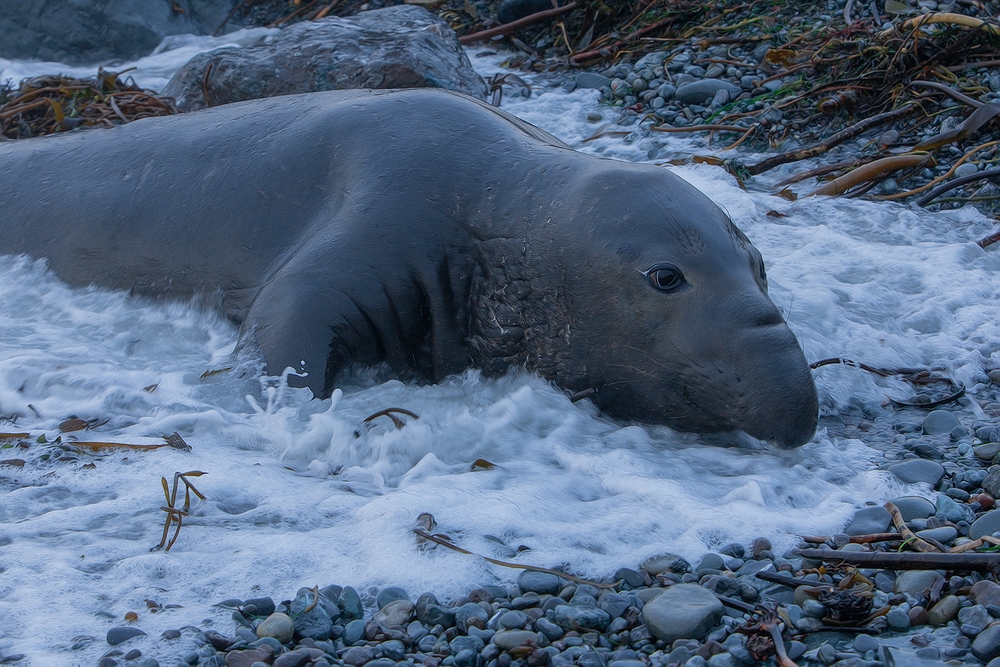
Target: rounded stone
point(390, 594)
point(915, 582)
point(711, 561)
point(864, 643)
point(580, 618)
point(350, 604)
point(918, 470)
point(898, 619)
point(470, 614)
point(539, 582)
point(986, 646)
point(939, 422)
point(965, 169)
point(358, 655)
point(702, 92)
point(259, 606)
point(354, 631)
point(914, 507)
point(942, 534)
point(987, 524)
point(869, 520)
point(512, 620)
point(509, 639)
point(123, 633)
point(666, 563)
point(277, 625)
point(394, 614)
point(683, 611)
point(945, 610)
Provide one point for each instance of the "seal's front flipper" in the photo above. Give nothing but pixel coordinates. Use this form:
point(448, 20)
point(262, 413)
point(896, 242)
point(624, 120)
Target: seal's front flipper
point(299, 322)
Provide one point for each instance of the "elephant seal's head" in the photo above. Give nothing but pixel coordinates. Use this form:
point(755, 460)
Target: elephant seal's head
point(656, 300)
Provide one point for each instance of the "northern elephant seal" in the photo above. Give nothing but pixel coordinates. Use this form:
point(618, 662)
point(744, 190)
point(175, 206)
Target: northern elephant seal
point(427, 230)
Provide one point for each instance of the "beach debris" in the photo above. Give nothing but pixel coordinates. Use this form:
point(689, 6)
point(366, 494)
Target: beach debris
point(445, 541)
point(391, 414)
point(51, 104)
point(174, 513)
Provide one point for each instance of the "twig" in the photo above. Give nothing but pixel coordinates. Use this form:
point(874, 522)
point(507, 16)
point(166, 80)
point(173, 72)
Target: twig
point(948, 90)
point(515, 25)
point(965, 562)
point(829, 142)
point(700, 128)
point(908, 535)
point(612, 48)
point(312, 605)
point(520, 566)
point(388, 413)
point(952, 184)
point(779, 645)
point(989, 240)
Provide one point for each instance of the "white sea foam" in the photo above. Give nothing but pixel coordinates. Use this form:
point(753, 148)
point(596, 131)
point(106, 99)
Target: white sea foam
point(302, 492)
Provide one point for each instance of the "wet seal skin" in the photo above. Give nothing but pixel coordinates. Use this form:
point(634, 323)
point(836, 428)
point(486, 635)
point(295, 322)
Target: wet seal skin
point(429, 231)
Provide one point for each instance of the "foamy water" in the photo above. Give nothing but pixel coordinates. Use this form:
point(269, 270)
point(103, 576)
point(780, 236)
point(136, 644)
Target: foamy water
point(302, 492)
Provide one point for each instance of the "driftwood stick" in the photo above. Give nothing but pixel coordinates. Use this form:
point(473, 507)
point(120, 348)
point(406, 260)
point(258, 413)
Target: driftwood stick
point(966, 562)
point(829, 142)
point(907, 534)
point(515, 25)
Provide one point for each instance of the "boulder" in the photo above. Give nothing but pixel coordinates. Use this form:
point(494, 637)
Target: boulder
point(86, 32)
point(397, 47)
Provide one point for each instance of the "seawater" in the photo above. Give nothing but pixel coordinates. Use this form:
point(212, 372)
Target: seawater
point(302, 492)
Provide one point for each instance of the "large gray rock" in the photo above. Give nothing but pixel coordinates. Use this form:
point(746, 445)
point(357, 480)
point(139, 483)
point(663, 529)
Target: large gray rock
point(918, 470)
point(397, 47)
point(702, 92)
point(83, 32)
point(869, 520)
point(987, 524)
point(683, 611)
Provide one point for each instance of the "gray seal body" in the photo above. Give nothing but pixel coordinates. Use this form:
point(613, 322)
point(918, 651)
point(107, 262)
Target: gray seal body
point(429, 231)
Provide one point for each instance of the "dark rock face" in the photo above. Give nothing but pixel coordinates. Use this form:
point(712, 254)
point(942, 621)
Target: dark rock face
point(98, 31)
point(398, 47)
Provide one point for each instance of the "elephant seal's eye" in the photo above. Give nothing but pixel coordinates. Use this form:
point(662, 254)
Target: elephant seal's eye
point(665, 278)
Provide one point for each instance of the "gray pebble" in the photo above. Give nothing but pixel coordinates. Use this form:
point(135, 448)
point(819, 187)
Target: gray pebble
point(864, 643)
point(813, 608)
point(123, 633)
point(277, 625)
point(913, 507)
point(390, 594)
point(942, 534)
point(965, 169)
point(714, 71)
point(682, 611)
point(868, 520)
point(898, 619)
point(987, 524)
point(354, 632)
point(349, 603)
point(711, 561)
point(539, 582)
point(950, 510)
point(591, 80)
point(918, 470)
point(701, 92)
point(939, 422)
